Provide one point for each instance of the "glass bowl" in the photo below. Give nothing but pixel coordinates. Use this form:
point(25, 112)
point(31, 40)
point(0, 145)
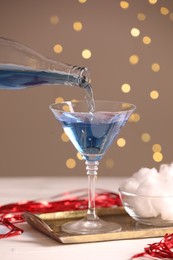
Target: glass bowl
point(148, 210)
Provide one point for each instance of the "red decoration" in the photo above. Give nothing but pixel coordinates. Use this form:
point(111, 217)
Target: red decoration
point(162, 249)
point(12, 213)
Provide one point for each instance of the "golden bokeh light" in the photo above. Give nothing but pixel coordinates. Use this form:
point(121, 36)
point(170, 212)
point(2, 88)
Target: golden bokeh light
point(70, 163)
point(154, 94)
point(82, 1)
point(135, 117)
point(124, 4)
point(58, 48)
point(64, 137)
point(146, 40)
point(152, 2)
point(156, 148)
point(54, 19)
point(146, 137)
point(164, 10)
point(77, 26)
point(141, 16)
point(135, 32)
point(59, 100)
point(134, 59)
point(86, 54)
point(155, 67)
point(110, 163)
point(79, 156)
point(157, 157)
point(126, 105)
point(66, 108)
point(121, 142)
point(125, 88)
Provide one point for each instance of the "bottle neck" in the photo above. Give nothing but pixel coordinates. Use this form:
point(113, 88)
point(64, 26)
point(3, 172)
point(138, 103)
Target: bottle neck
point(78, 76)
point(73, 75)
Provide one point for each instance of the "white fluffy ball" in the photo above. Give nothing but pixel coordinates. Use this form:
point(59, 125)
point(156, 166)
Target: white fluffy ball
point(154, 190)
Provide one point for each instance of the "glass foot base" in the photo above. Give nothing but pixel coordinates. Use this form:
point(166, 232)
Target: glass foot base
point(84, 226)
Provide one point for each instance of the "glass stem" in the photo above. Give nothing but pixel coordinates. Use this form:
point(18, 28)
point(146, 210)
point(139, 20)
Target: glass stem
point(91, 168)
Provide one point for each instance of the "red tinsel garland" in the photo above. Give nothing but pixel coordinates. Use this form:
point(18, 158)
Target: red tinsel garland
point(162, 249)
point(12, 213)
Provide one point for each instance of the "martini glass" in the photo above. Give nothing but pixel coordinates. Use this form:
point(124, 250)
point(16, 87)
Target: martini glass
point(91, 134)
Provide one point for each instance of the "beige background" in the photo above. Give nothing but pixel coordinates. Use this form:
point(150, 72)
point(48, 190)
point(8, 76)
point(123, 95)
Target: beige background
point(30, 138)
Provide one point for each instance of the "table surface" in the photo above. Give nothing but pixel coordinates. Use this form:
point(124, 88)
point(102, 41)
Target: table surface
point(34, 245)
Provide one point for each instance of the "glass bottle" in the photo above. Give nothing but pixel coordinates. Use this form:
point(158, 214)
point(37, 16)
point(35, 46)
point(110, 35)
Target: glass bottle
point(21, 67)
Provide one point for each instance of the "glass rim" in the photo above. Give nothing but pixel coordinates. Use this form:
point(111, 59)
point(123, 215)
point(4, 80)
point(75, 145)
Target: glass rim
point(52, 106)
point(133, 194)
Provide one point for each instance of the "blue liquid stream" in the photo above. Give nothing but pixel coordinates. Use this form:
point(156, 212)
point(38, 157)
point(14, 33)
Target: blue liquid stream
point(92, 136)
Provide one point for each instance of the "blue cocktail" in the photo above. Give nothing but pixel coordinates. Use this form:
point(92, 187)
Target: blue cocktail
point(92, 134)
